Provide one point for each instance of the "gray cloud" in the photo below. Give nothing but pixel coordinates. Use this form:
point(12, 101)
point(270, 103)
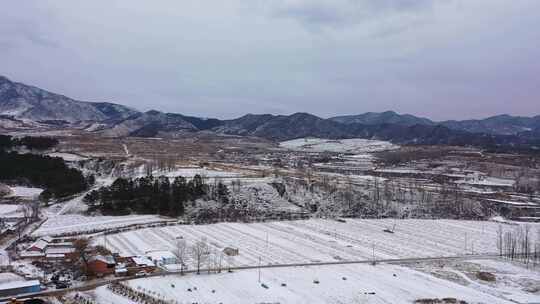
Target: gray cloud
point(339, 13)
point(443, 59)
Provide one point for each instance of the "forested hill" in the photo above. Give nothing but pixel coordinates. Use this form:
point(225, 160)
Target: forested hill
point(30, 142)
point(50, 173)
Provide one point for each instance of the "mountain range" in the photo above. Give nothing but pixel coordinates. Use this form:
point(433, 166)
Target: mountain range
point(22, 104)
point(500, 124)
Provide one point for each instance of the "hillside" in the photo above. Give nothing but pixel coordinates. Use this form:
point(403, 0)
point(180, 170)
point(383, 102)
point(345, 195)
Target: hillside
point(26, 107)
point(22, 101)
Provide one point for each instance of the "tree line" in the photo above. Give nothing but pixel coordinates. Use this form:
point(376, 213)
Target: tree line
point(153, 195)
point(50, 173)
point(30, 142)
point(521, 244)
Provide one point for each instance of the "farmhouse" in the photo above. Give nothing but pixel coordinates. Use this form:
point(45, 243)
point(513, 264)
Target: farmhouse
point(101, 265)
point(133, 265)
point(38, 246)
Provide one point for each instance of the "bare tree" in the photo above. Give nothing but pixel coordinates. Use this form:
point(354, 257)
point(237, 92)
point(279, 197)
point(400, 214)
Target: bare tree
point(27, 211)
point(181, 250)
point(500, 240)
point(230, 262)
point(81, 246)
point(199, 253)
point(376, 190)
point(214, 262)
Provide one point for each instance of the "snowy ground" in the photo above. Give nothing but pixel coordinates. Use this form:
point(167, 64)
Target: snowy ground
point(320, 240)
point(69, 157)
point(191, 172)
point(78, 223)
point(513, 281)
point(24, 192)
point(352, 146)
point(8, 210)
point(362, 284)
point(487, 181)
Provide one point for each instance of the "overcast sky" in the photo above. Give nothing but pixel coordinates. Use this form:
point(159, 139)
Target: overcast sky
point(444, 59)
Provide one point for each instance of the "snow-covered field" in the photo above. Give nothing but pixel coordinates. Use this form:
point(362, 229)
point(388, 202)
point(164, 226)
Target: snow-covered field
point(204, 172)
point(353, 146)
point(320, 240)
point(70, 157)
point(362, 284)
point(514, 281)
point(67, 223)
point(488, 181)
point(8, 210)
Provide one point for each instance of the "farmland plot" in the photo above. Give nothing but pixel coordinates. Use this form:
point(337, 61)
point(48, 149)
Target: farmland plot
point(336, 284)
point(351, 146)
point(319, 240)
point(74, 223)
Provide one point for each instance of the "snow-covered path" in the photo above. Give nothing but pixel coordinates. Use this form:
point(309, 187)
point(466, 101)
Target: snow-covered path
point(126, 149)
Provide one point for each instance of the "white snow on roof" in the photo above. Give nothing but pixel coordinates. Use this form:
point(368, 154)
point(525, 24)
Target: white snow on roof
point(47, 239)
point(31, 254)
point(40, 244)
point(105, 259)
point(59, 250)
point(160, 255)
point(142, 261)
point(8, 277)
point(18, 284)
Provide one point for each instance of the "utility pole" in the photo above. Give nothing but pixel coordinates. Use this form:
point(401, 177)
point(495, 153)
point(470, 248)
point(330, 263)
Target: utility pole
point(259, 269)
point(465, 242)
point(373, 253)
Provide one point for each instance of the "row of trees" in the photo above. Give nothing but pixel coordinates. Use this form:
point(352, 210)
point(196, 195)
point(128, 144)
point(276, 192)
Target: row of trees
point(383, 197)
point(154, 195)
point(521, 244)
point(202, 255)
point(47, 172)
point(30, 142)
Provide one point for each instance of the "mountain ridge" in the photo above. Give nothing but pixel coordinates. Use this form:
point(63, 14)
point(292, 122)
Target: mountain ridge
point(20, 103)
point(23, 101)
point(503, 124)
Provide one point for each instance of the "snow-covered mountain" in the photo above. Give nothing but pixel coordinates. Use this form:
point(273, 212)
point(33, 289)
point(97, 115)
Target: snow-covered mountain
point(26, 102)
point(22, 106)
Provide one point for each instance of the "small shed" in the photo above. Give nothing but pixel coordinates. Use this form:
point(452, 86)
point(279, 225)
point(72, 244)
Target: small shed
point(38, 246)
point(162, 257)
point(139, 263)
point(231, 251)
